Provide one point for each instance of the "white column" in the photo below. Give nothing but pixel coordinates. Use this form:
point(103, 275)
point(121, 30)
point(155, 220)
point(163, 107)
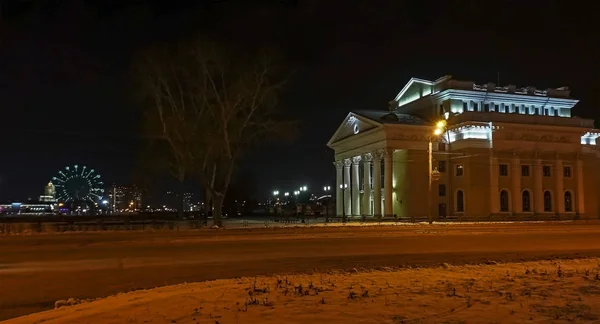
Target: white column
point(494, 190)
point(355, 186)
point(346, 193)
point(538, 188)
point(388, 163)
point(377, 183)
point(559, 195)
point(339, 182)
point(366, 203)
point(515, 179)
point(580, 188)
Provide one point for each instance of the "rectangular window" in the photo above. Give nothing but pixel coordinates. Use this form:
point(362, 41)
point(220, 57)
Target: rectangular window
point(546, 171)
point(459, 170)
point(442, 166)
point(486, 107)
point(497, 108)
point(567, 171)
point(525, 170)
point(442, 190)
point(465, 106)
point(475, 107)
point(503, 168)
point(441, 112)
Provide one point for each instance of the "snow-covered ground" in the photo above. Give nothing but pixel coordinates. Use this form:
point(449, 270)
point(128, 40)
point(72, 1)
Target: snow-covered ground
point(531, 292)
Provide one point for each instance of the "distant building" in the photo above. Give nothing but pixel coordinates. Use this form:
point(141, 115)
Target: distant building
point(124, 198)
point(27, 209)
point(504, 153)
point(49, 193)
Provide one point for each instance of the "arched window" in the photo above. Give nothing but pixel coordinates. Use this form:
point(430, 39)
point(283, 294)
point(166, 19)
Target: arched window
point(547, 201)
point(526, 201)
point(503, 201)
point(460, 201)
point(568, 202)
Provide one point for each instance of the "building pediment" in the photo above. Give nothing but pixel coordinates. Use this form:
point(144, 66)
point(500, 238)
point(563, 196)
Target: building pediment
point(353, 125)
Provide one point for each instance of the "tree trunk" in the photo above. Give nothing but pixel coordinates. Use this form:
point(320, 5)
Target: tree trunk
point(218, 211)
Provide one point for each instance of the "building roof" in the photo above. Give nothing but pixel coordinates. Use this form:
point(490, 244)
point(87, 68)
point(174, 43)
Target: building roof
point(387, 117)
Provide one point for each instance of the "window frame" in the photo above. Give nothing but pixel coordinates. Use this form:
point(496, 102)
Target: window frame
point(548, 168)
point(460, 167)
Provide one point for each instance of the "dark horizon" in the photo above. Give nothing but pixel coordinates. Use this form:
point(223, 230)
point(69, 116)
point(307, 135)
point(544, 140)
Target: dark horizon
point(65, 90)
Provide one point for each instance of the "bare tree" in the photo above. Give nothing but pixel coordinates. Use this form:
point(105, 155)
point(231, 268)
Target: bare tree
point(209, 103)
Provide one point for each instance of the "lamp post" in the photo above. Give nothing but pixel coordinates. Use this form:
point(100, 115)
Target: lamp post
point(344, 187)
point(275, 193)
point(327, 189)
point(439, 129)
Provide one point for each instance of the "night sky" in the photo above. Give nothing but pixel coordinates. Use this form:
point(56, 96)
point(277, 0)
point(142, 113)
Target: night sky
point(65, 71)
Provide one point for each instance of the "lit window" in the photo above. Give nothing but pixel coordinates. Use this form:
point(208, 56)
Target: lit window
point(567, 171)
point(459, 170)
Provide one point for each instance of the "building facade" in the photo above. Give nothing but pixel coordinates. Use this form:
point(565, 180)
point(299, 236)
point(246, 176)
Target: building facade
point(124, 198)
point(505, 153)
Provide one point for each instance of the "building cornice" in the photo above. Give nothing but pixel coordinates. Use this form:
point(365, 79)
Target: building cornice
point(471, 95)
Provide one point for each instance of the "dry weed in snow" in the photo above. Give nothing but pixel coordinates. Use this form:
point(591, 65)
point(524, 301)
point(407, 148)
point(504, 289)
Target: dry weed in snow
point(532, 292)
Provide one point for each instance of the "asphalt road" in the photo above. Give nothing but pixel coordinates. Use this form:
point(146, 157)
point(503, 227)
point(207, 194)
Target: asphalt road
point(37, 270)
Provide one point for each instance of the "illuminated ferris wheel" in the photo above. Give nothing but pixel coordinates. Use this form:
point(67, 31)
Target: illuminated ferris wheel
point(75, 184)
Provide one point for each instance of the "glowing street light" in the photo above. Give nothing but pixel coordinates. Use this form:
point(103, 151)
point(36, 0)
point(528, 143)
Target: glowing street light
point(276, 192)
point(326, 188)
point(440, 128)
point(286, 194)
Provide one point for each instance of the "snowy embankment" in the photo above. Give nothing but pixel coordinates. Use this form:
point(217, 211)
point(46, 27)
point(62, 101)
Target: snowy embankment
point(532, 292)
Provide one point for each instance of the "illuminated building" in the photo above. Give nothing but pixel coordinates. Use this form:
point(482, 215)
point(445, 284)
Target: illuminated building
point(124, 198)
point(27, 209)
point(187, 201)
point(49, 193)
point(505, 153)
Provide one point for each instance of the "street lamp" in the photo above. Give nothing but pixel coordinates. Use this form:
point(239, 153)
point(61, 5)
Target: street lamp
point(286, 194)
point(440, 126)
point(343, 187)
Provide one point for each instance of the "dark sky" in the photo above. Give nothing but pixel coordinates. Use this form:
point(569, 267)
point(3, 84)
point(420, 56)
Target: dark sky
point(65, 90)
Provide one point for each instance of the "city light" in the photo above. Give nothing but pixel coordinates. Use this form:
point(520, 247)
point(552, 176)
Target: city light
point(326, 188)
point(286, 194)
point(440, 127)
point(296, 193)
point(104, 202)
point(276, 192)
point(343, 186)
